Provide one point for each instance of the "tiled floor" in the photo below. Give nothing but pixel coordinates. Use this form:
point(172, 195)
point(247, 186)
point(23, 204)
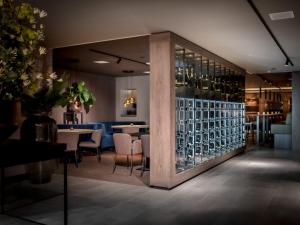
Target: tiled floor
point(90, 168)
point(260, 187)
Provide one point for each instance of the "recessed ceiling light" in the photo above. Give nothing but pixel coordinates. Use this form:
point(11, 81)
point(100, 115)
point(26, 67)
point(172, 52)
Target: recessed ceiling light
point(148, 63)
point(100, 61)
point(282, 15)
point(147, 72)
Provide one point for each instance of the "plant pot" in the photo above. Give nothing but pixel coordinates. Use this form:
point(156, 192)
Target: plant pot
point(74, 107)
point(37, 128)
point(10, 117)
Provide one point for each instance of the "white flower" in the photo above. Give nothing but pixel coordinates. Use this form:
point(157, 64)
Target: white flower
point(60, 80)
point(43, 13)
point(24, 77)
point(25, 51)
point(41, 26)
point(39, 76)
point(14, 52)
point(49, 81)
point(26, 83)
point(33, 26)
point(42, 50)
point(53, 76)
point(36, 11)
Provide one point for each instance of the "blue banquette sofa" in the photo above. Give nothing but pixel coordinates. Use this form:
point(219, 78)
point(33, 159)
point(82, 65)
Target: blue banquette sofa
point(107, 131)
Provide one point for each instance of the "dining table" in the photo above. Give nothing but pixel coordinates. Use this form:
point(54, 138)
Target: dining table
point(140, 126)
point(132, 129)
point(76, 131)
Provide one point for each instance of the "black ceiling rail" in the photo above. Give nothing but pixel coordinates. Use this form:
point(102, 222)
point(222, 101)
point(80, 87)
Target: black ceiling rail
point(118, 57)
point(270, 32)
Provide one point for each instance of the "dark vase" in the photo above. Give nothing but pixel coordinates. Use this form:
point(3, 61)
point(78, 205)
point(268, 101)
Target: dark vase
point(40, 128)
point(10, 117)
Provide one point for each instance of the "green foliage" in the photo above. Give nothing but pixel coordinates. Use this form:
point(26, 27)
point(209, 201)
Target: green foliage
point(20, 35)
point(44, 92)
point(78, 93)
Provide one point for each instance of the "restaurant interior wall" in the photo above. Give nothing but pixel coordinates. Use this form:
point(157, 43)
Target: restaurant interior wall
point(141, 84)
point(103, 87)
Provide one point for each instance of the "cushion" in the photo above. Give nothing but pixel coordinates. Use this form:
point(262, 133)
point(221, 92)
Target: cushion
point(288, 118)
point(281, 129)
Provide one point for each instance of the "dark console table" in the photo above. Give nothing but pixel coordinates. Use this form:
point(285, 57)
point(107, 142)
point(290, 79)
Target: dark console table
point(17, 152)
point(72, 117)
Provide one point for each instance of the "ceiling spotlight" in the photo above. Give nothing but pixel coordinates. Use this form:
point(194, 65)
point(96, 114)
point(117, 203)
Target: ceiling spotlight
point(101, 61)
point(287, 62)
point(119, 60)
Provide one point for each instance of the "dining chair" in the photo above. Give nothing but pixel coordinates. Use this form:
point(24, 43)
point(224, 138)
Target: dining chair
point(146, 151)
point(126, 150)
point(94, 143)
point(71, 140)
point(133, 131)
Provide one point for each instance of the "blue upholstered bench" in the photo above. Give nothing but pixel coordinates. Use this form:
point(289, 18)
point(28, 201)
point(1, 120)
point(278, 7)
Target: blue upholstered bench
point(107, 131)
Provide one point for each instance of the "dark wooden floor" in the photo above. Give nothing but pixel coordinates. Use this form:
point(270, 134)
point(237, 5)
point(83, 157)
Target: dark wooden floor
point(260, 187)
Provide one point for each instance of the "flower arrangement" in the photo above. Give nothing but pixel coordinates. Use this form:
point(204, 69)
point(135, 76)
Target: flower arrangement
point(20, 35)
point(44, 92)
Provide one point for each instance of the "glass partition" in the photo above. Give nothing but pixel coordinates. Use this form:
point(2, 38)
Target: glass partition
point(210, 113)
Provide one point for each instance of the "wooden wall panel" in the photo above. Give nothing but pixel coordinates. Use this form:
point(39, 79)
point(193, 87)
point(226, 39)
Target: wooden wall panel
point(162, 110)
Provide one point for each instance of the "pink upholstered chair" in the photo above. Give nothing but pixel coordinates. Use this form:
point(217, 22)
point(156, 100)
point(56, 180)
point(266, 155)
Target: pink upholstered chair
point(94, 144)
point(71, 140)
point(146, 150)
point(126, 149)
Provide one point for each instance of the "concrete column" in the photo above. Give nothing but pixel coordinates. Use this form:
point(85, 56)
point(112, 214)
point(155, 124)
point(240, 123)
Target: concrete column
point(296, 112)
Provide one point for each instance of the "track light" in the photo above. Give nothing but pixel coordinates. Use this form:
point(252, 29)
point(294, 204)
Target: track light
point(287, 62)
point(119, 60)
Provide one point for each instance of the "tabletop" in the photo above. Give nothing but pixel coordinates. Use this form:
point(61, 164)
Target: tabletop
point(17, 152)
point(75, 131)
point(129, 125)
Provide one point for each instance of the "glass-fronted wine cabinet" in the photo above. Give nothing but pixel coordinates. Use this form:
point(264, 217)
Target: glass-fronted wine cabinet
point(210, 109)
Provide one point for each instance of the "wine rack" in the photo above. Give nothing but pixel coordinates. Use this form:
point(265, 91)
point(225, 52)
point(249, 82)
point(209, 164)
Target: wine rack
point(210, 109)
